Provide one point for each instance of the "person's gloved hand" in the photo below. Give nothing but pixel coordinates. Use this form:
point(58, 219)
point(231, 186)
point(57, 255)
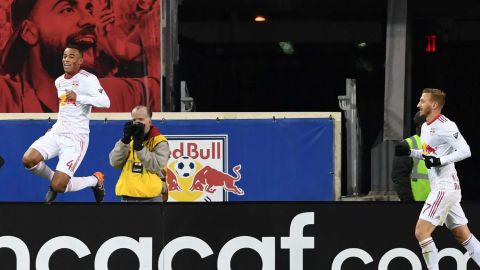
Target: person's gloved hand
point(402, 150)
point(431, 161)
point(127, 132)
point(138, 135)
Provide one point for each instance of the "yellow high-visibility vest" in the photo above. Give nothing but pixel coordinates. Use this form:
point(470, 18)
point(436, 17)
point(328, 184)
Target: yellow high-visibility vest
point(146, 184)
point(419, 175)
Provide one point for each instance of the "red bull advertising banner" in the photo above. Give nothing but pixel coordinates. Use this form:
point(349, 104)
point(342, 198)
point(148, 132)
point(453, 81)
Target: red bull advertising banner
point(211, 160)
point(196, 171)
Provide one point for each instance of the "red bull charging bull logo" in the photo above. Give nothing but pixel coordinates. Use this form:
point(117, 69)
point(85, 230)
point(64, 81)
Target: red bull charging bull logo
point(63, 100)
point(198, 169)
point(428, 150)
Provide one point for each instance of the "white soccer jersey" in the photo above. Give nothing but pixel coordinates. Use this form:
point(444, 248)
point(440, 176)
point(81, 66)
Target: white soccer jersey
point(441, 138)
point(74, 115)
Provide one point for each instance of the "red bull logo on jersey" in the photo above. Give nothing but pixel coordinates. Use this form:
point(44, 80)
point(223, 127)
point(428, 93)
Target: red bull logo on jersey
point(428, 150)
point(198, 169)
point(63, 100)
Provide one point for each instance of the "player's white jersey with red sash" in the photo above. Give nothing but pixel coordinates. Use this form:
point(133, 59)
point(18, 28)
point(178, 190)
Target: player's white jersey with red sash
point(441, 138)
point(74, 115)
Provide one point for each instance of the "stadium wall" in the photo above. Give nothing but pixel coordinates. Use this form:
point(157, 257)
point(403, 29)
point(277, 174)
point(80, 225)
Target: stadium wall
point(266, 156)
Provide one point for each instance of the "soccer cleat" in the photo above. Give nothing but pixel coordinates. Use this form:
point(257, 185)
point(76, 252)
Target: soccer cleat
point(51, 195)
point(99, 189)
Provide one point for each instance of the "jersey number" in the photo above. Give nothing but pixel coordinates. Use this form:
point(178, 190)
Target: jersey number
point(70, 165)
point(427, 206)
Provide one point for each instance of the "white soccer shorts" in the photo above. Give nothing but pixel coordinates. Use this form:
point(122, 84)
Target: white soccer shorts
point(70, 149)
point(443, 207)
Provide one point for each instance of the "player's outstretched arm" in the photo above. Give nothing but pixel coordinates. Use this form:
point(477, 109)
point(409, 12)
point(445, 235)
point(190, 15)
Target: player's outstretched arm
point(96, 95)
point(416, 153)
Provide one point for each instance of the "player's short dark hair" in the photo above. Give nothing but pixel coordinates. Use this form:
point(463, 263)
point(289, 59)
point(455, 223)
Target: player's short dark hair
point(77, 47)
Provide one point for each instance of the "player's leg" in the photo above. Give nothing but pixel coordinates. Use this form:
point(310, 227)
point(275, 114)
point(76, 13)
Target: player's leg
point(31, 158)
point(433, 214)
point(457, 223)
point(468, 241)
point(59, 184)
point(60, 181)
point(69, 157)
point(73, 150)
point(34, 162)
point(42, 149)
point(423, 233)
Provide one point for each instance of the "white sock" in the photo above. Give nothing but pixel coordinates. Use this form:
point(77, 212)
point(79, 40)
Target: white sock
point(79, 183)
point(430, 253)
point(473, 247)
point(42, 170)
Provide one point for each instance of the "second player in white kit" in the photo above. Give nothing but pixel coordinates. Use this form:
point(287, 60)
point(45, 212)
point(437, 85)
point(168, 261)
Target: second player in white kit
point(441, 139)
point(78, 91)
point(443, 145)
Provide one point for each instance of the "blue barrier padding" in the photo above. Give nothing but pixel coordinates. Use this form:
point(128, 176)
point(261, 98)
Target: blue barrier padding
point(281, 159)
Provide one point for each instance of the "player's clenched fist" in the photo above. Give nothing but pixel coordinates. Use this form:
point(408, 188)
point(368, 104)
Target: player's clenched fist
point(71, 95)
point(431, 161)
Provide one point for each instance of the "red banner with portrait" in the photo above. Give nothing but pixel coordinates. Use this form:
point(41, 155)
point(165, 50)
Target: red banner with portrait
point(120, 39)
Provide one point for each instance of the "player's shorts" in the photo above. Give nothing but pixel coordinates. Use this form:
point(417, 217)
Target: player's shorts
point(443, 207)
point(70, 149)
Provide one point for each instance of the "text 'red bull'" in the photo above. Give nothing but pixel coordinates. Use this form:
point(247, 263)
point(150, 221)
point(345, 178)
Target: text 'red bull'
point(194, 151)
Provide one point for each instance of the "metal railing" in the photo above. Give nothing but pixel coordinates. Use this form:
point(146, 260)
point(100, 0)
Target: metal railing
point(348, 104)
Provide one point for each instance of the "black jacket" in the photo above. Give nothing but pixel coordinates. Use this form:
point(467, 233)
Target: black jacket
point(402, 168)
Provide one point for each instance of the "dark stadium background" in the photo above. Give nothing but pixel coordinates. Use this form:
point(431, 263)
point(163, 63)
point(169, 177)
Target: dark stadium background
point(243, 73)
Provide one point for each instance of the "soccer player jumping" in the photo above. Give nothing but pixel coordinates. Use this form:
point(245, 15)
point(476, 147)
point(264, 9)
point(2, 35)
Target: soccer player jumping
point(443, 145)
point(78, 91)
